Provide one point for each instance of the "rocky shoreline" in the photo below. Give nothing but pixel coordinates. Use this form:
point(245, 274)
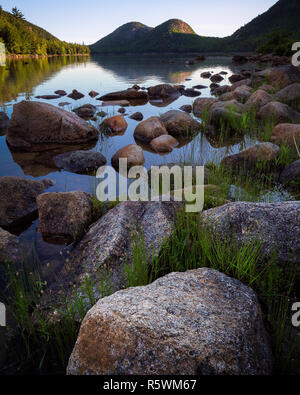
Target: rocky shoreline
point(201, 321)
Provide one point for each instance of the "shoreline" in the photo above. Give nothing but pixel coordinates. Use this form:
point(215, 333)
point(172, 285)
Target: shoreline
point(24, 56)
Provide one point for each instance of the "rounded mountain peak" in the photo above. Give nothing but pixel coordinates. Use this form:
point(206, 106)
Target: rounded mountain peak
point(177, 26)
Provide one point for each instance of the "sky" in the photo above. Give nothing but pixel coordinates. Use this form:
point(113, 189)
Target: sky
point(88, 21)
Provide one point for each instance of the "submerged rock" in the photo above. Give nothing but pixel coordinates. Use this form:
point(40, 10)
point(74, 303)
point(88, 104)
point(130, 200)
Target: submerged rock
point(9, 248)
point(179, 123)
point(18, 198)
point(196, 323)
point(63, 217)
point(80, 162)
point(132, 152)
point(48, 97)
point(33, 125)
point(150, 129)
point(275, 225)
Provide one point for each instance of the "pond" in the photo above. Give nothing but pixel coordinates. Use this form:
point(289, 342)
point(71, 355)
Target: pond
point(27, 78)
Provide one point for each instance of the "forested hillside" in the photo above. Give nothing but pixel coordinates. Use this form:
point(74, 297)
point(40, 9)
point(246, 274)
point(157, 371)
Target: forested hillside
point(22, 37)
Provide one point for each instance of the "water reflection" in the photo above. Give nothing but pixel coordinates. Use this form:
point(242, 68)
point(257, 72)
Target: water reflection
point(22, 76)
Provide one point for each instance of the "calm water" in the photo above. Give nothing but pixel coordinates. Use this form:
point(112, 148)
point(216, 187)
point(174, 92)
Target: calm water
point(25, 79)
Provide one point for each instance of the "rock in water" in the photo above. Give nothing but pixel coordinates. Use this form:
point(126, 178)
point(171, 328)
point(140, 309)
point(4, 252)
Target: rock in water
point(35, 125)
point(275, 225)
point(116, 125)
point(196, 323)
point(163, 91)
point(4, 120)
point(150, 129)
point(132, 152)
point(128, 94)
point(64, 216)
point(75, 95)
point(80, 162)
point(137, 116)
point(164, 143)
point(179, 123)
point(9, 248)
point(18, 198)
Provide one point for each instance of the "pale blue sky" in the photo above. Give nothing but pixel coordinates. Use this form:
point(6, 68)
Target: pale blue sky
point(90, 20)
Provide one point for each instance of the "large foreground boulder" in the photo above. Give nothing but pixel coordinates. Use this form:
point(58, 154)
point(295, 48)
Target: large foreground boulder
point(9, 248)
point(18, 198)
point(108, 246)
point(64, 216)
point(196, 323)
point(179, 123)
point(34, 125)
point(276, 226)
point(80, 162)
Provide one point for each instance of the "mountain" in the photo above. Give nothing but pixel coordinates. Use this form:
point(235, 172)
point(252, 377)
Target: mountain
point(22, 37)
point(173, 35)
point(282, 16)
point(177, 36)
point(124, 36)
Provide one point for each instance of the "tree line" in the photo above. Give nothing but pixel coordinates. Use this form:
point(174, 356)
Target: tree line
point(22, 37)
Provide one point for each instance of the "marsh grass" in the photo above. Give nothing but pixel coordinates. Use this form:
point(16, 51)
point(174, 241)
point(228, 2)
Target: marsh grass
point(194, 246)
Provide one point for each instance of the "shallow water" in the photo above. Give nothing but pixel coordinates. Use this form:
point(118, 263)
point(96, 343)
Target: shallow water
point(25, 79)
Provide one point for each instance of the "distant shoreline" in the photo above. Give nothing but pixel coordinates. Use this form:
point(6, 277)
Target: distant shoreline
point(24, 56)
